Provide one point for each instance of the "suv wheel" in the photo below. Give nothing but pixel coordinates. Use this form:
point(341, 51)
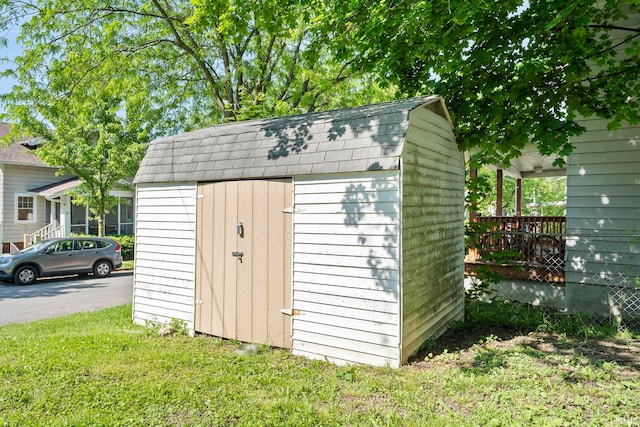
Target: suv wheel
point(25, 275)
point(102, 269)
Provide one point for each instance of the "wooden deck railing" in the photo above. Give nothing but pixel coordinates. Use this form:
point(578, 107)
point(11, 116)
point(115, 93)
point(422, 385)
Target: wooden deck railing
point(528, 239)
point(518, 247)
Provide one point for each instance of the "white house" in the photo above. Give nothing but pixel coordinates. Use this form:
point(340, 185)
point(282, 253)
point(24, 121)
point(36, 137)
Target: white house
point(589, 261)
point(35, 200)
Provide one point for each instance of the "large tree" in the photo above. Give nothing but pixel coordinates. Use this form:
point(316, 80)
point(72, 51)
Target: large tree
point(203, 61)
point(94, 132)
point(98, 79)
point(512, 71)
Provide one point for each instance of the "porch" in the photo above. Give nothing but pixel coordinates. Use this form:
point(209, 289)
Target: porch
point(49, 211)
point(518, 247)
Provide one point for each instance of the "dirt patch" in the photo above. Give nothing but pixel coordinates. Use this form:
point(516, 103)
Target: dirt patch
point(466, 341)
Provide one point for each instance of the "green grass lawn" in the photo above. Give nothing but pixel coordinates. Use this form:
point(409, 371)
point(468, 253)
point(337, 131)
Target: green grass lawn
point(97, 369)
point(127, 265)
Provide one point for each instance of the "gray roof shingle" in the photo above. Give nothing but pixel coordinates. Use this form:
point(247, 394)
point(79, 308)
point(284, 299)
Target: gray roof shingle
point(349, 140)
point(18, 152)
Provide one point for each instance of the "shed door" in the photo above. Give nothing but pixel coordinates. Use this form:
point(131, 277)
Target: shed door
point(241, 296)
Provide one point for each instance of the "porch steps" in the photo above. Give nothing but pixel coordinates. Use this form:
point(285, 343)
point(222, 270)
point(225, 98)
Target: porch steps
point(47, 232)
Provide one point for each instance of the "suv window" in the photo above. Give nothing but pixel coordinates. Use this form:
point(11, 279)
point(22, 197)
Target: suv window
point(63, 246)
point(85, 244)
point(102, 244)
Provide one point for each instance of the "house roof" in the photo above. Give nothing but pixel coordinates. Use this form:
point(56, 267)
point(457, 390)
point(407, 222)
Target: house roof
point(531, 164)
point(348, 140)
point(57, 188)
point(18, 152)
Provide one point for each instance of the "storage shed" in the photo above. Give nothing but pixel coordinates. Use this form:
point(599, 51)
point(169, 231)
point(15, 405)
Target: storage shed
point(336, 234)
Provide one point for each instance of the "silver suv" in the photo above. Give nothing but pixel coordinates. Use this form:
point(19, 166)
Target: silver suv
point(60, 256)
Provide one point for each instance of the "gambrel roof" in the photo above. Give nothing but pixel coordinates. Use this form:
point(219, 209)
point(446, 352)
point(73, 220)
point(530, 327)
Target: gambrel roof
point(349, 140)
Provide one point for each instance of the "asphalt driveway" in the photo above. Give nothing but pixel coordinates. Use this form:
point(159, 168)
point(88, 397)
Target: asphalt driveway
point(59, 296)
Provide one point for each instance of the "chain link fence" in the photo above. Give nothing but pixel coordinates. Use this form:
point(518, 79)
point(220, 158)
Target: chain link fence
point(608, 266)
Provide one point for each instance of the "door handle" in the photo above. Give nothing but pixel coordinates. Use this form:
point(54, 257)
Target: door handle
point(238, 255)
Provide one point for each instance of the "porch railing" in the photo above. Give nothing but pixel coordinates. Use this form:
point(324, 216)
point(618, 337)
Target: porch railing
point(522, 241)
point(46, 232)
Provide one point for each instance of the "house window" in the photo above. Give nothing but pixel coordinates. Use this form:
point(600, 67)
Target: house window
point(126, 215)
point(111, 222)
point(81, 221)
point(78, 219)
point(25, 208)
point(119, 219)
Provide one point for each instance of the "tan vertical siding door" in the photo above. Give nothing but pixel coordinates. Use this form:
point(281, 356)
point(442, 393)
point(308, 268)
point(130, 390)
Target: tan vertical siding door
point(242, 297)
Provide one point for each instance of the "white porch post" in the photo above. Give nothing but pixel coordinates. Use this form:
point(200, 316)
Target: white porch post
point(65, 213)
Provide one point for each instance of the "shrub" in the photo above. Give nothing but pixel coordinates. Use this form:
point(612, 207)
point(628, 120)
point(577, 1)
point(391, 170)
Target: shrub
point(127, 243)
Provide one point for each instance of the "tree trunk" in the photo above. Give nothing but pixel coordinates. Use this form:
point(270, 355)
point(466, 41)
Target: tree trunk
point(101, 214)
point(101, 225)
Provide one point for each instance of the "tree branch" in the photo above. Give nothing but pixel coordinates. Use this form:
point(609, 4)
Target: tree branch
point(292, 68)
point(209, 74)
point(613, 27)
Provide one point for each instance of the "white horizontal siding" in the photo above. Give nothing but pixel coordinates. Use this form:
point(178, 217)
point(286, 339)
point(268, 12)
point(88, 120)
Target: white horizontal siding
point(603, 215)
point(604, 192)
point(166, 233)
point(385, 195)
point(340, 230)
point(345, 263)
point(150, 282)
point(432, 231)
point(364, 261)
point(346, 240)
point(388, 281)
point(365, 301)
point(313, 311)
point(603, 258)
point(343, 280)
point(19, 179)
point(603, 181)
point(339, 354)
point(164, 278)
point(603, 209)
point(344, 250)
point(181, 246)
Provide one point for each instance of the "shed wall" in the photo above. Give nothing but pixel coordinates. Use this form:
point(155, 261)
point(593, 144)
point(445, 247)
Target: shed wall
point(346, 269)
point(164, 278)
point(432, 230)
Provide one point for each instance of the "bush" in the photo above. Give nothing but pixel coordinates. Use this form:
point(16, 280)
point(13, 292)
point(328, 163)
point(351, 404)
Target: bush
point(127, 243)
